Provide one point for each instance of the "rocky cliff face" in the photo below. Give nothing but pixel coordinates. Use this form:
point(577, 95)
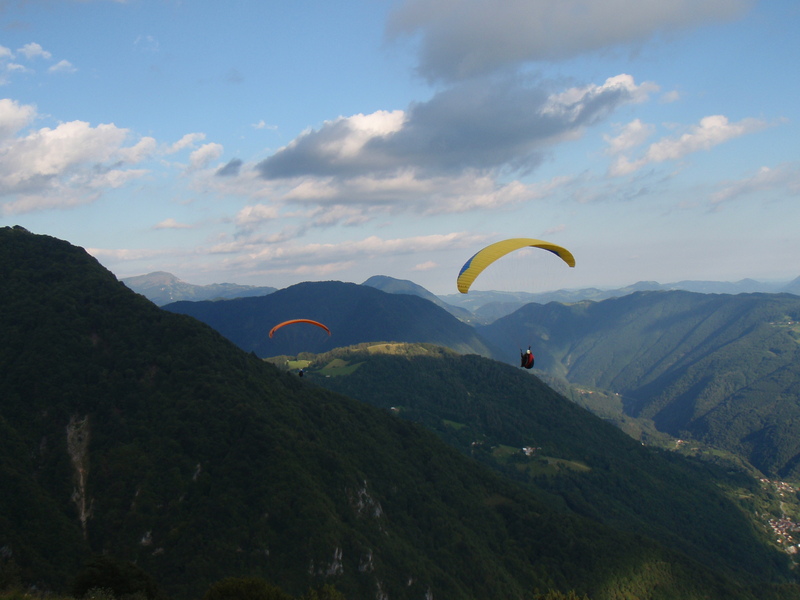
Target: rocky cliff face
point(78, 449)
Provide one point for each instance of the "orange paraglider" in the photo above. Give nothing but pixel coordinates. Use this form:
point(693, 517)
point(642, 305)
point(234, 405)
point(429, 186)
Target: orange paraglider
point(292, 321)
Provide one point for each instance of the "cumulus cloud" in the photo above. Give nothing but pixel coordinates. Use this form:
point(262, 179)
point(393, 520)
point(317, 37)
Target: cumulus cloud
point(30, 53)
point(72, 163)
point(187, 141)
point(462, 150)
point(13, 117)
point(473, 125)
point(464, 38)
point(62, 66)
point(204, 155)
point(631, 135)
point(34, 50)
point(710, 132)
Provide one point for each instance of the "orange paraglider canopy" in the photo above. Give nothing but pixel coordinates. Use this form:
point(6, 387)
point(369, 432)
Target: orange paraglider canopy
point(292, 321)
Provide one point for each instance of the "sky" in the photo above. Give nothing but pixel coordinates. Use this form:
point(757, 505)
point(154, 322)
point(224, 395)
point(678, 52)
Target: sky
point(267, 143)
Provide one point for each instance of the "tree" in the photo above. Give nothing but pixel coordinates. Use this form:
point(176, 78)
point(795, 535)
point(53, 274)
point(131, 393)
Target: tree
point(120, 577)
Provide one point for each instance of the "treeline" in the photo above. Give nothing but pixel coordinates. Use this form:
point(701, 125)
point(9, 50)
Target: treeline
point(106, 578)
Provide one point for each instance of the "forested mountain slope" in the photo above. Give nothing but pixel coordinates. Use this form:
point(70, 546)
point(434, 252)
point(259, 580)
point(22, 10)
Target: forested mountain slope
point(722, 369)
point(144, 435)
point(513, 422)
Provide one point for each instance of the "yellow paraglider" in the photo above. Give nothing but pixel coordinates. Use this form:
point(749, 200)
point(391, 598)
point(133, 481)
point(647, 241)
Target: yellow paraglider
point(292, 321)
point(483, 258)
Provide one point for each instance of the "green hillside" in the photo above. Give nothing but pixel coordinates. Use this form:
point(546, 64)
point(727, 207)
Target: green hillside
point(146, 436)
point(720, 369)
point(511, 421)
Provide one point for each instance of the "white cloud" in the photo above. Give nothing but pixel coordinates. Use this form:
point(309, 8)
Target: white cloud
point(62, 66)
point(339, 214)
point(573, 101)
point(67, 165)
point(784, 178)
point(710, 132)
point(464, 38)
point(171, 224)
point(631, 135)
point(253, 215)
point(13, 117)
point(187, 141)
point(203, 156)
point(282, 255)
point(34, 50)
point(142, 150)
point(426, 266)
point(263, 125)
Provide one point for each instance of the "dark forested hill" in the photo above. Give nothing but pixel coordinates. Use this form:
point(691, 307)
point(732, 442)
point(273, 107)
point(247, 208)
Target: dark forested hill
point(722, 369)
point(144, 435)
point(354, 313)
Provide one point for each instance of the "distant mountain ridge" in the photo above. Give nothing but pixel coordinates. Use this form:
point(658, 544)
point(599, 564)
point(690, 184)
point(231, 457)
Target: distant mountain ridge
point(490, 305)
point(475, 307)
point(354, 314)
point(162, 288)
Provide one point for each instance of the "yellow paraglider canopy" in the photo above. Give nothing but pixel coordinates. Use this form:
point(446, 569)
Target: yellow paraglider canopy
point(483, 258)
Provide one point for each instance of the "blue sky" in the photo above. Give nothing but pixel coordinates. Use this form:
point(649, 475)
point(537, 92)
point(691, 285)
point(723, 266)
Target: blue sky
point(269, 143)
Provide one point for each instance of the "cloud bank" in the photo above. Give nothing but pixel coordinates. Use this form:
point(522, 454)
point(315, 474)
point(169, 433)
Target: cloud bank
point(461, 39)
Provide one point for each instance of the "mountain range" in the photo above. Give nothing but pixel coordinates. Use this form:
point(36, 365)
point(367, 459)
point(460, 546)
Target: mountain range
point(477, 306)
point(163, 288)
point(719, 369)
point(135, 432)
